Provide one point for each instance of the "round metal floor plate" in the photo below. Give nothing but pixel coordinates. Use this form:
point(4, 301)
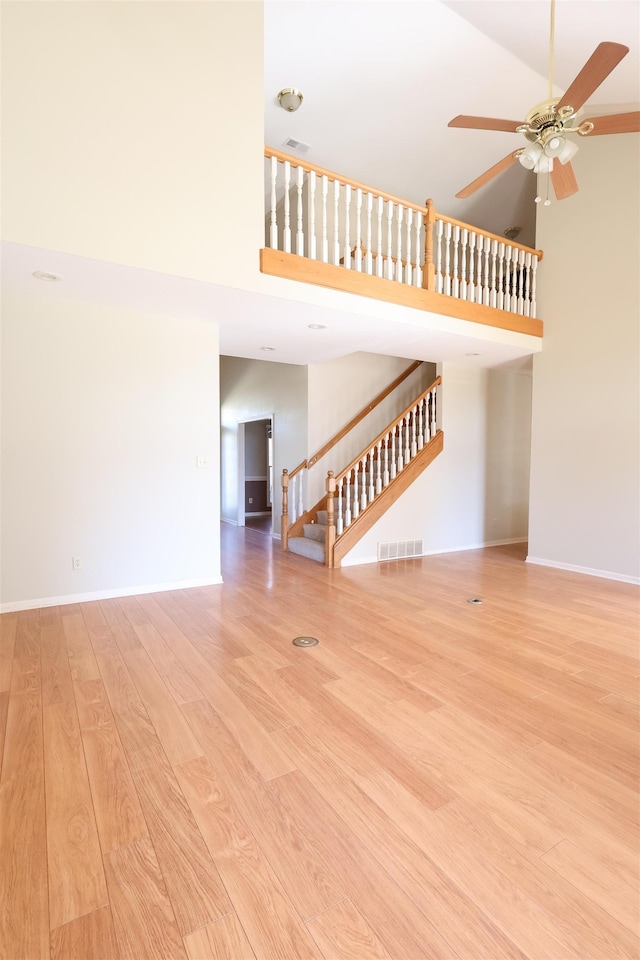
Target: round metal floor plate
point(305, 642)
point(474, 600)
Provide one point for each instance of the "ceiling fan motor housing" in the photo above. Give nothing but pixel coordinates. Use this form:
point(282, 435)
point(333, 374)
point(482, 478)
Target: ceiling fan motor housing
point(543, 121)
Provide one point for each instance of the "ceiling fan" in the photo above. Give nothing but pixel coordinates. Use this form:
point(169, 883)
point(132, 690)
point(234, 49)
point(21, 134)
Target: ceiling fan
point(549, 150)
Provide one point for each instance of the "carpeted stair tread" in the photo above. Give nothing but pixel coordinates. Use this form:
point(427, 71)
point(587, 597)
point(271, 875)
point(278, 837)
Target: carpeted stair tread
point(306, 547)
point(315, 531)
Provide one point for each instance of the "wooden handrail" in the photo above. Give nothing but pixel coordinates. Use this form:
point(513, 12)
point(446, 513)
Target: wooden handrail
point(363, 413)
point(301, 466)
point(331, 175)
point(391, 426)
point(424, 210)
point(487, 233)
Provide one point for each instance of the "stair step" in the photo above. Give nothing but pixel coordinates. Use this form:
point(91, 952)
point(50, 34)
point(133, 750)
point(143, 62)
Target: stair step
point(315, 531)
point(304, 547)
point(321, 516)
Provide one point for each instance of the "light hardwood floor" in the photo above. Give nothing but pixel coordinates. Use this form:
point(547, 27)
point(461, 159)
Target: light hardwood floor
point(434, 779)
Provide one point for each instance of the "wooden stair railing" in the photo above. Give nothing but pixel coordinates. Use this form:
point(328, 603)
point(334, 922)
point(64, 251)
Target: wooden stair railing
point(287, 527)
point(327, 229)
point(358, 496)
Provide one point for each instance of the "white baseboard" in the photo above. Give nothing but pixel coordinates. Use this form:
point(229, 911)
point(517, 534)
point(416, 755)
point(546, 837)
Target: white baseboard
point(435, 553)
point(586, 571)
point(107, 594)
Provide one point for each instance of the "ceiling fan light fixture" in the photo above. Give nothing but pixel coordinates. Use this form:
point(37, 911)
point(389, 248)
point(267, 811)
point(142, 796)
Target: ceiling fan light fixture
point(530, 156)
point(554, 144)
point(568, 152)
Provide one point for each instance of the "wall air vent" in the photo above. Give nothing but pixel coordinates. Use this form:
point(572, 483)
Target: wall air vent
point(400, 549)
point(296, 145)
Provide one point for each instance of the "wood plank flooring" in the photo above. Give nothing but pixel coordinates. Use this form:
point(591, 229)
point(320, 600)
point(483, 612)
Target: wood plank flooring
point(435, 779)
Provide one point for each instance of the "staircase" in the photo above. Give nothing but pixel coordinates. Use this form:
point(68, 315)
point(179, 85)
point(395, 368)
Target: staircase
point(361, 493)
point(311, 543)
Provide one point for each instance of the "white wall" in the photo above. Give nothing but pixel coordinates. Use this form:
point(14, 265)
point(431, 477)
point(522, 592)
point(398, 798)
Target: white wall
point(338, 390)
point(475, 492)
point(256, 389)
point(132, 131)
point(104, 412)
point(585, 474)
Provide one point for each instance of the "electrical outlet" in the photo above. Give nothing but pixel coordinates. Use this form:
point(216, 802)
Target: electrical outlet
point(250, 499)
point(202, 463)
point(76, 563)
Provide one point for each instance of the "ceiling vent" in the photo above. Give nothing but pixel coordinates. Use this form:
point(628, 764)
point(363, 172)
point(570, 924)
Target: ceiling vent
point(296, 145)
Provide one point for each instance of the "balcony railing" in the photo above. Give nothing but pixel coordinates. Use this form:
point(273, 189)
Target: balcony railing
point(327, 219)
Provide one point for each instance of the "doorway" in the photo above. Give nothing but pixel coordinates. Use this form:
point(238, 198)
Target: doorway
point(255, 474)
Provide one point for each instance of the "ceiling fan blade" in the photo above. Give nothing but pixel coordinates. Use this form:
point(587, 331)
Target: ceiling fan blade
point(564, 180)
point(602, 61)
point(485, 123)
point(617, 123)
point(487, 176)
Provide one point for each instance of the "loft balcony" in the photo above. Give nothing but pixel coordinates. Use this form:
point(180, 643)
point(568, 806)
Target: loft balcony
point(325, 229)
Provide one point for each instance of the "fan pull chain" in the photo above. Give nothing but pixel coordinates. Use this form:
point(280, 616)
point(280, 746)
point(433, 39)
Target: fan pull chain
point(538, 198)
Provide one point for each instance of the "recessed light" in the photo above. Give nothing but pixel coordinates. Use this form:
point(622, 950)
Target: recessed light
point(268, 349)
point(317, 326)
point(49, 277)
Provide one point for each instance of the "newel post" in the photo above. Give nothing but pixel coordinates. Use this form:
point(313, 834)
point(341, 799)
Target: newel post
point(284, 519)
point(330, 533)
point(428, 274)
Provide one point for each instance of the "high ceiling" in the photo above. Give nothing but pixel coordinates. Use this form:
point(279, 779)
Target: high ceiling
point(382, 78)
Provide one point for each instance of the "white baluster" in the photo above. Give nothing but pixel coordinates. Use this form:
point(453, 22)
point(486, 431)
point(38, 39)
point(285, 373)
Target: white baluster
point(493, 292)
point(521, 296)
point(408, 270)
point(501, 276)
point(311, 200)
point(368, 257)
point(534, 270)
point(393, 454)
point(273, 233)
point(417, 273)
point(339, 514)
point(356, 502)
point(389, 270)
point(300, 503)
point(527, 284)
point(508, 277)
point(433, 413)
point(325, 238)
point(379, 469)
point(464, 253)
point(299, 231)
point(287, 210)
point(336, 222)
point(479, 286)
point(486, 293)
point(471, 286)
point(456, 266)
point(347, 225)
point(385, 473)
point(438, 258)
point(379, 258)
point(400, 447)
point(293, 501)
point(447, 259)
point(358, 253)
point(363, 484)
point(420, 425)
point(399, 216)
point(407, 440)
point(371, 492)
point(347, 500)
point(515, 294)
point(414, 442)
